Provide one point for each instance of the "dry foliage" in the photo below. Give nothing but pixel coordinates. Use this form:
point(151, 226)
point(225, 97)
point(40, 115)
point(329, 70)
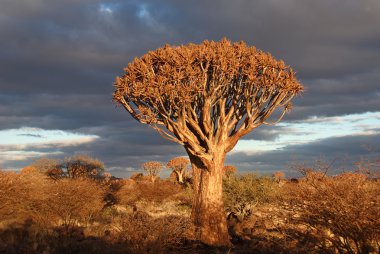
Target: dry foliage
point(153, 192)
point(30, 170)
point(229, 170)
point(342, 211)
point(67, 201)
point(21, 195)
point(73, 201)
point(144, 234)
point(45, 164)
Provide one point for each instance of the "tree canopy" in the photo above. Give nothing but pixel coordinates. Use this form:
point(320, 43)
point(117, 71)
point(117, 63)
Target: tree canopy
point(207, 95)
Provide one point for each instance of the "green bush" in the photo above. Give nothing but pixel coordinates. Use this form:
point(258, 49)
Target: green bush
point(243, 192)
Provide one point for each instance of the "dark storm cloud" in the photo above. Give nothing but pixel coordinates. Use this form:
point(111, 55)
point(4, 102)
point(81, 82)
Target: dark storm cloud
point(59, 59)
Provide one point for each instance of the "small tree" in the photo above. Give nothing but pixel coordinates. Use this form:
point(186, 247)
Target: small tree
point(82, 166)
point(152, 168)
point(278, 176)
point(206, 97)
point(229, 170)
point(179, 166)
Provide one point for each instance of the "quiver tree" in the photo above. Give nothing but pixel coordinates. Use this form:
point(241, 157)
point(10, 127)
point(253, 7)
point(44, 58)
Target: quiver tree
point(278, 176)
point(152, 168)
point(179, 166)
point(206, 97)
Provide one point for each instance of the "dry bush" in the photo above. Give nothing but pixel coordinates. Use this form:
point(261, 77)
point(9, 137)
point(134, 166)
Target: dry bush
point(73, 201)
point(144, 234)
point(29, 170)
point(137, 176)
point(229, 170)
point(147, 191)
point(342, 212)
point(45, 164)
point(243, 193)
point(21, 195)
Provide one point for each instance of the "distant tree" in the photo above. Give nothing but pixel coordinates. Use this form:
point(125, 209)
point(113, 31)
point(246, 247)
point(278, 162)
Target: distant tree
point(152, 168)
point(206, 97)
point(179, 166)
point(278, 176)
point(229, 170)
point(82, 166)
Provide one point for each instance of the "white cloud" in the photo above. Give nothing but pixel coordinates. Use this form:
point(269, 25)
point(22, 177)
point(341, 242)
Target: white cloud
point(25, 143)
point(314, 129)
point(28, 135)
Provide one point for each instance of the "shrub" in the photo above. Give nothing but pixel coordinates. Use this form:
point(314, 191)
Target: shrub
point(243, 193)
point(343, 211)
point(229, 171)
point(73, 201)
point(147, 191)
point(21, 195)
point(137, 176)
point(144, 234)
point(45, 164)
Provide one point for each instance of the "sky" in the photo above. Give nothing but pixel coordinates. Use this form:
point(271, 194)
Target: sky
point(59, 60)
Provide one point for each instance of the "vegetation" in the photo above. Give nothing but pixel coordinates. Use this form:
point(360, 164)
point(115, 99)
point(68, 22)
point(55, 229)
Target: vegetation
point(243, 193)
point(317, 214)
point(342, 211)
point(153, 168)
point(206, 97)
point(229, 170)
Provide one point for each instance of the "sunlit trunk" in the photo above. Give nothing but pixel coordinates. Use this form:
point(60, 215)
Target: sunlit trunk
point(208, 213)
point(180, 176)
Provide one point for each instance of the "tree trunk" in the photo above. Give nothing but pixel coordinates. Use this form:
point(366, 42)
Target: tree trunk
point(180, 176)
point(208, 212)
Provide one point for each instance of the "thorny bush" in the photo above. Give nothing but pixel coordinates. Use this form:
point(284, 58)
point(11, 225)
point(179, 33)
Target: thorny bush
point(342, 211)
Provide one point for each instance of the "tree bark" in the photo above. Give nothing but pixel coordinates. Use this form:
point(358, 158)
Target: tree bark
point(208, 212)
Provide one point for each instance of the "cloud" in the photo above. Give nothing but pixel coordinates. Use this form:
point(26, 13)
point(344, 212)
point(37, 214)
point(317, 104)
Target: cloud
point(343, 152)
point(60, 58)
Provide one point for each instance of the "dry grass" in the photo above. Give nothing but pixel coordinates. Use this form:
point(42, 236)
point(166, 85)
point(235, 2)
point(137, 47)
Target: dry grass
point(319, 214)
